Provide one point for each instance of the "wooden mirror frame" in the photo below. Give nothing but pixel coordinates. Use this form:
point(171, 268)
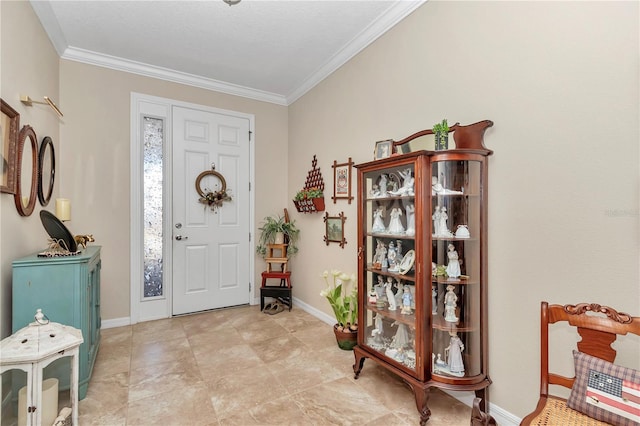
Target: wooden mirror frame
point(8, 145)
point(26, 132)
point(46, 146)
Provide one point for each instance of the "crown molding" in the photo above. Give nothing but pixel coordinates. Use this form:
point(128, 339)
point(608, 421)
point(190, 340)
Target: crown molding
point(112, 62)
point(396, 13)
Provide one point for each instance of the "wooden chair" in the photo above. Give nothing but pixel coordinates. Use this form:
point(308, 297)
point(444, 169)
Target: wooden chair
point(598, 332)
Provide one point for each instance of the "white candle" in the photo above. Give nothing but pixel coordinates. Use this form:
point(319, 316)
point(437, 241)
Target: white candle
point(49, 403)
point(63, 209)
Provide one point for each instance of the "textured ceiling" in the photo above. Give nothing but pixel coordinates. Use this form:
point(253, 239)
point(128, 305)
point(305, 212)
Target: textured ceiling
point(267, 50)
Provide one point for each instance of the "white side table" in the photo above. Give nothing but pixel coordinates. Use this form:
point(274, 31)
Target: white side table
point(31, 349)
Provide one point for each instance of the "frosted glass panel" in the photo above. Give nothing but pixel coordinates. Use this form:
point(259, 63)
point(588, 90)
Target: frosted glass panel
point(153, 140)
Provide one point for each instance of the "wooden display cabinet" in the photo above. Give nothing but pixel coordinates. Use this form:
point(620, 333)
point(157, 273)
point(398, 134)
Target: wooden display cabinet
point(422, 236)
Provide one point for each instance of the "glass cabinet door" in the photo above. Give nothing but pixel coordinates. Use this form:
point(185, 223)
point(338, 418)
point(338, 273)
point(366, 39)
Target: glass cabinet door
point(456, 278)
point(388, 263)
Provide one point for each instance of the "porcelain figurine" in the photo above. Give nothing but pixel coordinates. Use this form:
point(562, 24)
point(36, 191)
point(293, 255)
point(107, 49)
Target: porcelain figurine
point(410, 211)
point(395, 225)
point(462, 232)
point(391, 299)
point(434, 301)
point(454, 351)
point(450, 305)
point(378, 221)
point(453, 268)
point(407, 298)
point(407, 184)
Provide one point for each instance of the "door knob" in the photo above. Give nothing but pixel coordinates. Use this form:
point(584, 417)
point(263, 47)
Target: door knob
point(180, 237)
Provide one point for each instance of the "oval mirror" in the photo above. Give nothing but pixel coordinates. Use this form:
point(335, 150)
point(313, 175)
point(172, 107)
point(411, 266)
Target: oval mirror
point(46, 170)
point(26, 171)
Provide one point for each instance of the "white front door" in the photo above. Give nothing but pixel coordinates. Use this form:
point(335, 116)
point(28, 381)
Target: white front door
point(211, 249)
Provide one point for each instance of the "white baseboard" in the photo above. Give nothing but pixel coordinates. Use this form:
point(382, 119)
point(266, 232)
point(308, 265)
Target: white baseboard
point(313, 311)
point(116, 322)
point(502, 417)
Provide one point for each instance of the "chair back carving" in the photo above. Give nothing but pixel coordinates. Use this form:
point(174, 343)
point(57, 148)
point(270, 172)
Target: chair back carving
point(598, 326)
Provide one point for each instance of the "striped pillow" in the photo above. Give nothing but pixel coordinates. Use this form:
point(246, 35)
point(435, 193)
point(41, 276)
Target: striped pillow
point(605, 391)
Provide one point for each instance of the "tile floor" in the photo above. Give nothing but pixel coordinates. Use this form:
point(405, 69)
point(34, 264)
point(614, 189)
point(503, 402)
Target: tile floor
point(242, 367)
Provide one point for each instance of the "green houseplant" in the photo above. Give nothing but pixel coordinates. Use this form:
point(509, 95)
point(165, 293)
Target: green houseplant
point(272, 226)
point(441, 130)
point(305, 194)
point(344, 303)
point(309, 200)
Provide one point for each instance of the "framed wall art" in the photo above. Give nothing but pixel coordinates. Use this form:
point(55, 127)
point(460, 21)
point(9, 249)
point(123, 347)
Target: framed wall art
point(334, 229)
point(9, 123)
point(342, 181)
point(384, 149)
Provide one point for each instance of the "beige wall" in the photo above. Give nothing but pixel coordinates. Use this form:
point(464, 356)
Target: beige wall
point(560, 81)
point(95, 158)
point(32, 71)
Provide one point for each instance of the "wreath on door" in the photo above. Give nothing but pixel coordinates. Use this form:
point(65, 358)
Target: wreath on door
point(213, 199)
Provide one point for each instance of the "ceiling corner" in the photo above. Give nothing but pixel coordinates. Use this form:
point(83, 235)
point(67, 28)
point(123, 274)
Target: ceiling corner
point(49, 22)
point(396, 13)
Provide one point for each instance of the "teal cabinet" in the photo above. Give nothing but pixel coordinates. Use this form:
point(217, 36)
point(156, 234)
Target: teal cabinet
point(67, 289)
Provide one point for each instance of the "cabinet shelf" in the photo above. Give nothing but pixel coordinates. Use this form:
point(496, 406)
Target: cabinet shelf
point(396, 315)
point(434, 239)
point(396, 275)
point(453, 281)
point(439, 323)
point(392, 198)
point(395, 236)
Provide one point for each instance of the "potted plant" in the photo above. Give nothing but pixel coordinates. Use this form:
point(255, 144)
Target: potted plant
point(345, 306)
point(309, 200)
point(441, 130)
point(275, 228)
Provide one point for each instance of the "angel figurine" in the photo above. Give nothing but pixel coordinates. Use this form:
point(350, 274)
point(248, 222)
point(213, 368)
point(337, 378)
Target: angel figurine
point(395, 226)
point(407, 184)
point(378, 222)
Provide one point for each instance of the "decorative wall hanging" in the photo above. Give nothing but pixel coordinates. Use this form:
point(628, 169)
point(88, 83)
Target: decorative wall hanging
point(213, 199)
point(9, 124)
point(311, 198)
point(334, 229)
point(25, 204)
point(342, 181)
point(46, 170)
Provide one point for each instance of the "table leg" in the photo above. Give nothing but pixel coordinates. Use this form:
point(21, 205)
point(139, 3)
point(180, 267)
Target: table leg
point(74, 387)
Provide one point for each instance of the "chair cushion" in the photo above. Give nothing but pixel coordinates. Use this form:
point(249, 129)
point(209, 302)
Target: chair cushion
point(605, 391)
